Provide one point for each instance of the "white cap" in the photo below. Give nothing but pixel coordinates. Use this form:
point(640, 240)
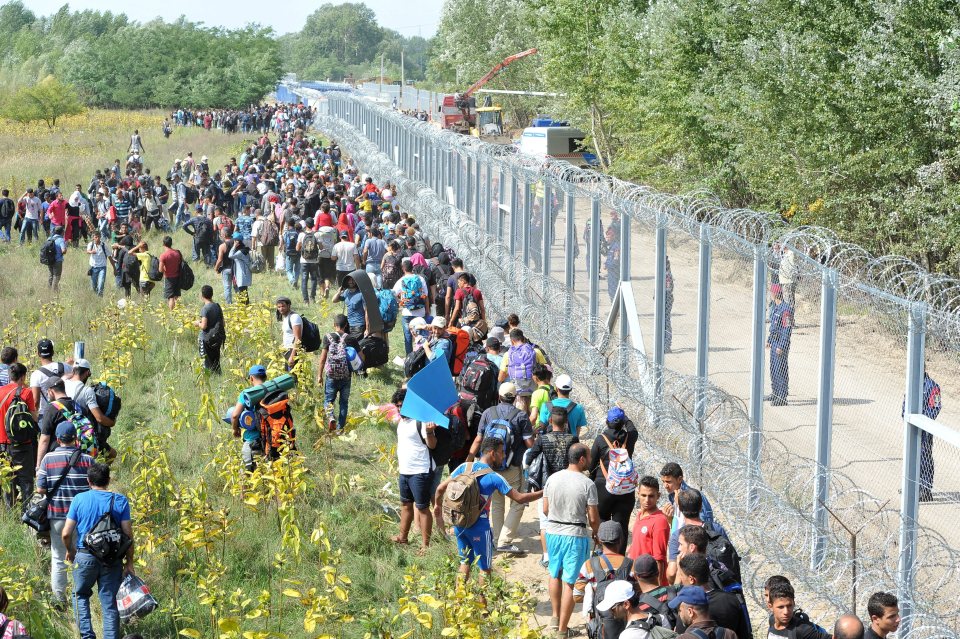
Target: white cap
point(508, 389)
point(417, 323)
point(82, 363)
point(439, 322)
point(616, 593)
point(564, 383)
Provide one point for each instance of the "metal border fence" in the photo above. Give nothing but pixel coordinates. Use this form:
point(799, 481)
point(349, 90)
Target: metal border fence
point(782, 508)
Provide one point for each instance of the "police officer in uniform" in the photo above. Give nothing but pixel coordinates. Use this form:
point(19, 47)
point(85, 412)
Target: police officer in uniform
point(778, 341)
point(930, 408)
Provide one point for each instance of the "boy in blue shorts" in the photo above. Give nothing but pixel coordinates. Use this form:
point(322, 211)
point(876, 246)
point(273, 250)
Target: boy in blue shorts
point(475, 543)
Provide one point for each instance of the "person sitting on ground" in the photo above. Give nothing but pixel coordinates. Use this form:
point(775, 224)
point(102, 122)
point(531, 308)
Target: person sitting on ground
point(475, 543)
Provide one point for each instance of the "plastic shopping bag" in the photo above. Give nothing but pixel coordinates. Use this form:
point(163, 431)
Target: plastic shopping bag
point(134, 599)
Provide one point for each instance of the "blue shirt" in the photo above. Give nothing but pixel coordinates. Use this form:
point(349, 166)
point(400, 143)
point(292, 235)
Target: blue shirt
point(87, 508)
point(245, 226)
point(577, 418)
point(354, 301)
point(488, 484)
point(441, 347)
point(673, 544)
point(61, 245)
point(706, 510)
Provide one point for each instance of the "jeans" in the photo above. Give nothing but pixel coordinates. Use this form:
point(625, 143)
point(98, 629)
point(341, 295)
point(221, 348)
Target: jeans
point(5, 230)
point(98, 275)
point(56, 271)
point(374, 270)
point(407, 337)
point(311, 274)
point(58, 552)
point(331, 387)
point(292, 264)
point(30, 229)
point(227, 276)
point(88, 571)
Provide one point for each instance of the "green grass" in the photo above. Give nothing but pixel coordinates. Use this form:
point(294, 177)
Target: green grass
point(174, 449)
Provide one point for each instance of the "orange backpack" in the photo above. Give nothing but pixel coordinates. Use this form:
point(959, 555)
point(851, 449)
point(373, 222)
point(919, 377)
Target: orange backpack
point(276, 425)
point(460, 338)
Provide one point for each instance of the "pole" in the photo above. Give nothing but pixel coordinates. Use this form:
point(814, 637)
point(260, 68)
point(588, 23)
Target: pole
point(757, 372)
point(403, 79)
point(660, 307)
point(545, 212)
point(570, 264)
point(594, 268)
point(910, 492)
point(703, 334)
point(828, 338)
point(380, 94)
point(514, 210)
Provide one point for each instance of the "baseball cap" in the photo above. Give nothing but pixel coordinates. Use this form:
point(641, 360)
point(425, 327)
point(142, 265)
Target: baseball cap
point(493, 342)
point(417, 323)
point(616, 593)
point(238, 236)
point(66, 431)
point(344, 234)
point(609, 531)
point(45, 348)
point(258, 370)
point(439, 322)
point(82, 363)
point(646, 566)
point(564, 383)
point(690, 595)
point(616, 415)
point(508, 389)
point(283, 299)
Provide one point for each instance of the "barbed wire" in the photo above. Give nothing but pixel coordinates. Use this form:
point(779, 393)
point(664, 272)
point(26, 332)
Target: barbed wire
point(768, 513)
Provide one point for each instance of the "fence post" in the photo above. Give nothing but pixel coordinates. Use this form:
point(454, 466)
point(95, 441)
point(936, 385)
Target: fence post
point(659, 299)
point(501, 191)
point(545, 212)
point(514, 213)
point(468, 188)
point(594, 267)
point(525, 225)
point(757, 371)
point(828, 339)
point(571, 262)
point(910, 493)
point(703, 336)
point(478, 165)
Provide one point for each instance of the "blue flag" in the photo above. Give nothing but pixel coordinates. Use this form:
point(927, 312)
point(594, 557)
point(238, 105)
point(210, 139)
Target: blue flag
point(430, 393)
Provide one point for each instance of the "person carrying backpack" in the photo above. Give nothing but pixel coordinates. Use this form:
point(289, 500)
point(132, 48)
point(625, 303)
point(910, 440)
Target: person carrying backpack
point(411, 291)
point(690, 503)
point(291, 253)
point(553, 444)
point(42, 377)
point(52, 252)
point(512, 427)
point(577, 416)
point(724, 607)
point(619, 435)
point(623, 603)
point(334, 371)
point(18, 432)
point(518, 365)
point(596, 574)
point(98, 523)
point(784, 622)
point(244, 420)
point(466, 497)
point(477, 385)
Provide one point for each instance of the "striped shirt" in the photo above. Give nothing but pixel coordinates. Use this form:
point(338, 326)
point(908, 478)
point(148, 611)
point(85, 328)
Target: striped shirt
point(73, 484)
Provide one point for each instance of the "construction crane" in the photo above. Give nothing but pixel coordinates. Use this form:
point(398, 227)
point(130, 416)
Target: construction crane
point(459, 112)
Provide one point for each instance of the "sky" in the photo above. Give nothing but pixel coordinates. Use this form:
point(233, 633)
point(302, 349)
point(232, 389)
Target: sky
point(409, 17)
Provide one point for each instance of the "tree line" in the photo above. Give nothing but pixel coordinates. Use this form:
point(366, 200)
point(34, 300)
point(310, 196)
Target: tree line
point(841, 113)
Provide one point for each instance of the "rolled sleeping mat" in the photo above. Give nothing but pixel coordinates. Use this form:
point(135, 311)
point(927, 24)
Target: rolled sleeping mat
point(370, 300)
point(255, 394)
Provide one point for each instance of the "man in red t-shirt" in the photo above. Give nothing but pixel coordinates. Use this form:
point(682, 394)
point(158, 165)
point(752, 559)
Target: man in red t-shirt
point(324, 218)
point(464, 313)
point(651, 531)
point(170, 261)
point(25, 453)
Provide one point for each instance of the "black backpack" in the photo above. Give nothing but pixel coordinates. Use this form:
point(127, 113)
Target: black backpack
point(107, 541)
point(667, 617)
point(204, 230)
point(154, 272)
point(721, 550)
point(478, 383)
point(449, 440)
point(186, 277)
point(415, 361)
point(48, 251)
point(604, 573)
point(191, 195)
point(375, 351)
point(310, 338)
point(18, 422)
point(107, 400)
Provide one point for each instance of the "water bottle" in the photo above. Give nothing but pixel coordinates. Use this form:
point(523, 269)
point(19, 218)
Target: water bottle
point(78, 350)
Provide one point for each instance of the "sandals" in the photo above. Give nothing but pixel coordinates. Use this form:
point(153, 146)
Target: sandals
point(399, 541)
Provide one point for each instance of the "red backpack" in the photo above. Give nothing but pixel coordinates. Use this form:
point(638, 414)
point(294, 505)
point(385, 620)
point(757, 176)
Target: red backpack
point(460, 338)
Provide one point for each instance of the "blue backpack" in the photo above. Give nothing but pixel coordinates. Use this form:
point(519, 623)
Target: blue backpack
point(388, 306)
point(500, 428)
point(412, 294)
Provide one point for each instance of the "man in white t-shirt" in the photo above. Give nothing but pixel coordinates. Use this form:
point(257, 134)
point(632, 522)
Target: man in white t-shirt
point(48, 370)
point(415, 440)
point(327, 236)
point(84, 397)
point(412, 305)
point(292, 325)
point(30, 227)
point(345, 254)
